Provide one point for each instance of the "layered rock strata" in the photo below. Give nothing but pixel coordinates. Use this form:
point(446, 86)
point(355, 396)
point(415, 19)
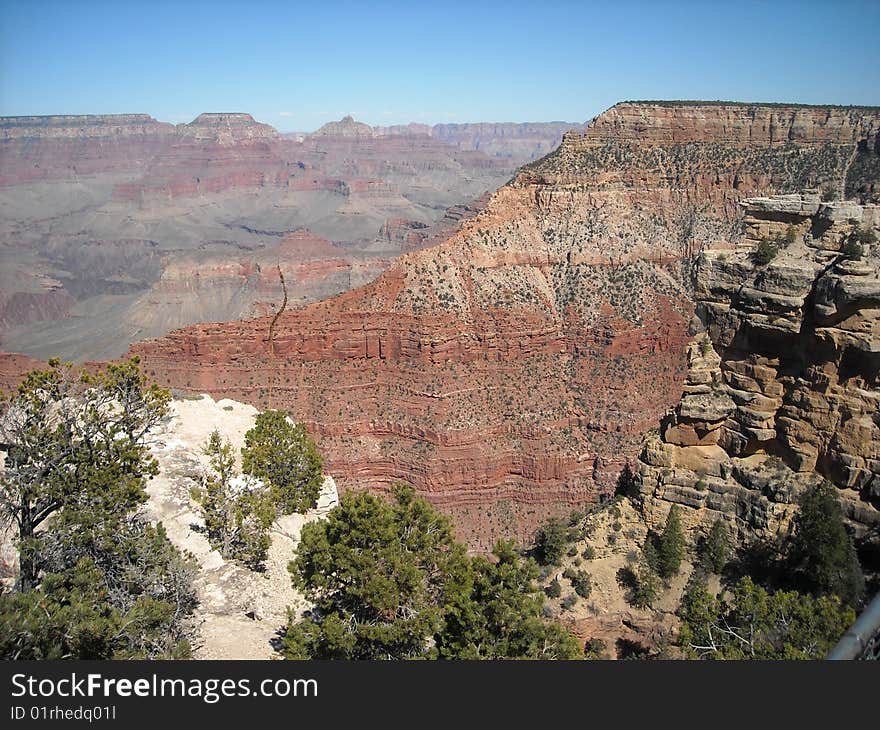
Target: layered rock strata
point(118, 227)
point(510, 371)
point(782, 388)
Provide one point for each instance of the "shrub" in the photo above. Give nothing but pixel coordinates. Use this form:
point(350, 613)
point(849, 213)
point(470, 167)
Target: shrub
point(550, 542)
point(852, 249)
point(580, 580)
point(286, 459)
point(764, 252)
point(588, 553)
point(595, 649)
point(575, 518)
point(829, 194)
point(866, 236)
point(554, 590)
point(569, 602)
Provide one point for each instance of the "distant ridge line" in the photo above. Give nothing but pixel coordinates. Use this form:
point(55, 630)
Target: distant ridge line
point(719, 102)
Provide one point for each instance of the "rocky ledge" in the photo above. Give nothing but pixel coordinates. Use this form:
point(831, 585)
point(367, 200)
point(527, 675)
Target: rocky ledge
point(782, 388)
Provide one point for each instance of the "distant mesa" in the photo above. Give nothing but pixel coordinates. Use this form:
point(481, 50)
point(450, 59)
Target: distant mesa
point(82, 126)
point(227, 128)
point(346, 127)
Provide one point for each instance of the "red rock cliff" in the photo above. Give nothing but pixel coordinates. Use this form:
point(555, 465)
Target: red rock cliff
point(510, 371)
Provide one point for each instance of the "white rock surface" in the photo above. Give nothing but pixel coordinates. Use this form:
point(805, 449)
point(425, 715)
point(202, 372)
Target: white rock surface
point(241, 611)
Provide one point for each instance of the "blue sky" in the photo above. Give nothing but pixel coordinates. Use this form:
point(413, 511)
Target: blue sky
point(296, 65)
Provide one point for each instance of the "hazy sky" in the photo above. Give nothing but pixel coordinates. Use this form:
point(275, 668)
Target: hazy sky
point(296, 65)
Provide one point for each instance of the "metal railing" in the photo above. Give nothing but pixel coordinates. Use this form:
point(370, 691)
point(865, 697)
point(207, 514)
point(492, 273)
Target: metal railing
point(862, 639)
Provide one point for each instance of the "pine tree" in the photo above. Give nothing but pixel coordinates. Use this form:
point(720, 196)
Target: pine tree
point(822, 552)
point(717, 546)
point(671, 547)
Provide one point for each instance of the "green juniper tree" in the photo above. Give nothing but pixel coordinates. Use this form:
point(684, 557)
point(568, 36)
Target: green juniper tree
point(389, 581)
point(284, 457)
point(378, 575)
point(96, 581)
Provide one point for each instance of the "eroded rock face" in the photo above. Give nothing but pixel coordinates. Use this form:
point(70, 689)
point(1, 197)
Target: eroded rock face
point(783, 387)
point(13, 368)
point(116, 228)
point(510, 371)
point(77, 145)
point(778, 125)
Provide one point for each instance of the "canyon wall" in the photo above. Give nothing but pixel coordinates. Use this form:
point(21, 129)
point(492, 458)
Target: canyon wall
point(114, 228)
point(782, 388)
point(510, 371)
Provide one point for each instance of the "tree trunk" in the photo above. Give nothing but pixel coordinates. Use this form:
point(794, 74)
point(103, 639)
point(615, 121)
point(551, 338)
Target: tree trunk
point(28, 567)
